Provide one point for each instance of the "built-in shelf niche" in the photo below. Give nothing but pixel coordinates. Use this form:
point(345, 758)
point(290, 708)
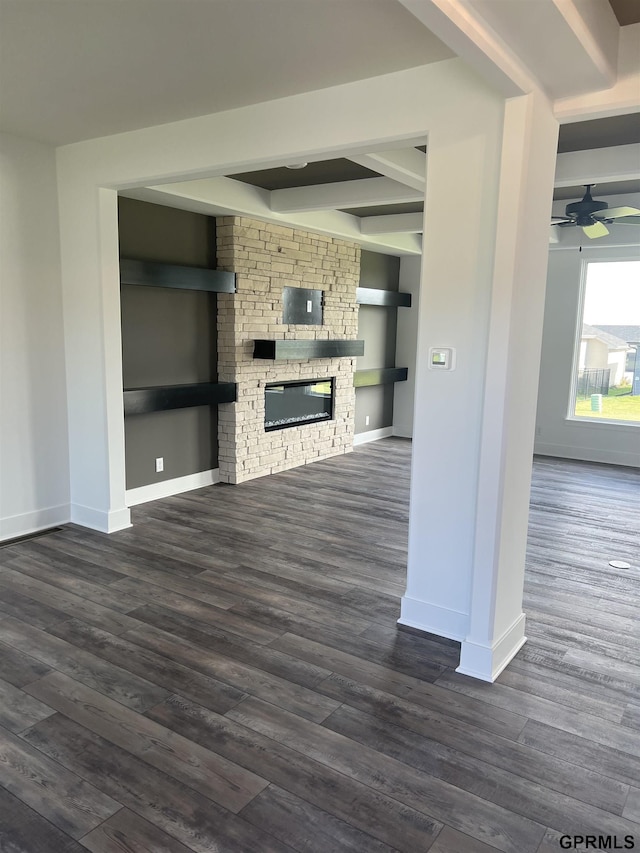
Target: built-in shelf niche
point(380, 376)
point(383, 298)
point(161, 398)
point(300, 350)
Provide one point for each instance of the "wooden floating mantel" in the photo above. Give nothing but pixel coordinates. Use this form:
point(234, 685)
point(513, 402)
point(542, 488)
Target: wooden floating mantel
point(141, 401)
point(385, 298)
point(301, 349)
point(380, 376)
point(152, 274)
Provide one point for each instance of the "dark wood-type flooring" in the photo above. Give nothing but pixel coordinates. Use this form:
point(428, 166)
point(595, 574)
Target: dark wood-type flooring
point(227, 675)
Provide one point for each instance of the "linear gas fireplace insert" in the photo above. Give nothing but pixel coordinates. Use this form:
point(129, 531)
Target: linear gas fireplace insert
point(289, 404)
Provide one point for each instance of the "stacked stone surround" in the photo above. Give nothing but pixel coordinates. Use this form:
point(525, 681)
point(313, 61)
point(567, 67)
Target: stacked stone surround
point(266, 258)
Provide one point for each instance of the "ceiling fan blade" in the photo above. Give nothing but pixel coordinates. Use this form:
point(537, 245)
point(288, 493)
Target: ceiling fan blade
point(616, 212)
point(598, 229)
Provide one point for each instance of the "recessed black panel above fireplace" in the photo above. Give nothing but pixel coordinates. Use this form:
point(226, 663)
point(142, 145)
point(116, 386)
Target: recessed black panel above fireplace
point(289, 404)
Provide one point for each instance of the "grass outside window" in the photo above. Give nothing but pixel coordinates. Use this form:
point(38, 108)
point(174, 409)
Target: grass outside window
point(617, 405)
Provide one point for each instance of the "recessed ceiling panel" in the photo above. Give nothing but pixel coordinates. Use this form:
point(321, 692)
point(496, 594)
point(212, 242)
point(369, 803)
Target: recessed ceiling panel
point(626, 11)
point(600, 132)
point(387, 209)
point(322, 172)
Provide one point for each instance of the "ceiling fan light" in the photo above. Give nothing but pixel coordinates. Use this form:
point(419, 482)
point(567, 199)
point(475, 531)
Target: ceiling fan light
point(598, 229)
point(296, 165)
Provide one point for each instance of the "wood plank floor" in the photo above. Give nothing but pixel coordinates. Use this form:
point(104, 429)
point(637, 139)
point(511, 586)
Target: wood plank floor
point(227, 675)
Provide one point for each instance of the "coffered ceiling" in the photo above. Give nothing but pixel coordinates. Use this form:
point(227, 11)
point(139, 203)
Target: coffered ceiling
point(604, 133)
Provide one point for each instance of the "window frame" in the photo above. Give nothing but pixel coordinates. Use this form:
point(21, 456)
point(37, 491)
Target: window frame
point(626, 254)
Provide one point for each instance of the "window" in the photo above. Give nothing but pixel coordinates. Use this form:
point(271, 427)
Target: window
point(606, 384)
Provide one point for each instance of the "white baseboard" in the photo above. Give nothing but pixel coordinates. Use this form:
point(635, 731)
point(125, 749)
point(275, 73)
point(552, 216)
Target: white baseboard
point(30, 522)
point(433, 619)
point(97, 519)
point(588, 454)
point(167, 488)
point(487, 662)
point(372, 435)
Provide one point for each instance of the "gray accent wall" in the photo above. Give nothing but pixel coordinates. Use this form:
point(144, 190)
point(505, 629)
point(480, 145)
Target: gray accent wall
point(168, 338)
point(407, 346)
point(377, 326)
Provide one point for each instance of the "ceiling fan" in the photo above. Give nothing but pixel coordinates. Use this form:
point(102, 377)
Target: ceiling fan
point(592, 215)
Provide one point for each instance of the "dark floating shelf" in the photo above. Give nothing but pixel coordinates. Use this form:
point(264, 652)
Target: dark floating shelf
point(152, 274)
point(386, 298)
point(281, 350)
point(380, 376)
point(141, 401)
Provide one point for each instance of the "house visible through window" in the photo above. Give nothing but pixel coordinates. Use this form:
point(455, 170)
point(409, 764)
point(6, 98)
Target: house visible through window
point(607, 366)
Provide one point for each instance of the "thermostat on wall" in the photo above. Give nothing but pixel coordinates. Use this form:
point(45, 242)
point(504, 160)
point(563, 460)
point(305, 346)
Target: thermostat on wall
point(442, 358)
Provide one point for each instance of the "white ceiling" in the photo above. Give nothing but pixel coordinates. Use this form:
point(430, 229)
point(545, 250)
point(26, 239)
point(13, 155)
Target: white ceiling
point(78, 69)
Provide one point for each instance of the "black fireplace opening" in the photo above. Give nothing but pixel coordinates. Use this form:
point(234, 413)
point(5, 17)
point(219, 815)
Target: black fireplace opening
point(289, 404)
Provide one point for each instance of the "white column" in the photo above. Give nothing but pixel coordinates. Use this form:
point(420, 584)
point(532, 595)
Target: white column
point(482, 295)
point(497, 623)
point(463, 166)
point(91, 299)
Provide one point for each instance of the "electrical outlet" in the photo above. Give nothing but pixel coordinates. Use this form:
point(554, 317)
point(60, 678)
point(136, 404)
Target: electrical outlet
point(159, 464)
point(366, 420)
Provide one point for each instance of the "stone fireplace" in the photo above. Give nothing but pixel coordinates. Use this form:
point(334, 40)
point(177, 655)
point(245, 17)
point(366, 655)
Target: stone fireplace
point(266, 258)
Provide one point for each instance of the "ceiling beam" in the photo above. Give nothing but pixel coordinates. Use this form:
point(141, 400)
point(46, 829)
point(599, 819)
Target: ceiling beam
point(360, 193)
point(462, 29)
point(619, 99)
point(598, 166)
point(226, 197)
point(406, 165)
point(595, 28)
point(560, 47)
point(399, 223)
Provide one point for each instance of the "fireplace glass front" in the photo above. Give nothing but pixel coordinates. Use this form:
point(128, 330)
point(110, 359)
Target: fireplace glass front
point(289, 404)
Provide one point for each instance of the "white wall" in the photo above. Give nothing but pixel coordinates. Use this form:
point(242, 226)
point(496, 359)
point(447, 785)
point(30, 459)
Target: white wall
point(34, 457)
point(556, 434)
point(616, 362)
point(407, 346)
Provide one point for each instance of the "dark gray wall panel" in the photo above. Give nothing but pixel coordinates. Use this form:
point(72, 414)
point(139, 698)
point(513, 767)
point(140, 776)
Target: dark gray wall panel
point(377, 402)
point(379, 271)
point(168, 338)
point(185, 438)
point(377, 327)
point(152, 232)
